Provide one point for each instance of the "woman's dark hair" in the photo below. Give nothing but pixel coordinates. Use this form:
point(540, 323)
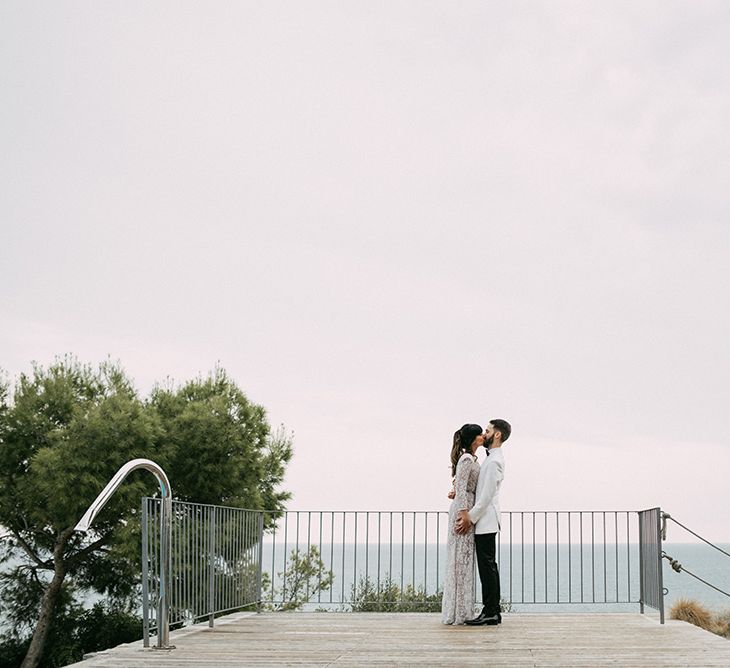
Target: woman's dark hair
point(463, 440)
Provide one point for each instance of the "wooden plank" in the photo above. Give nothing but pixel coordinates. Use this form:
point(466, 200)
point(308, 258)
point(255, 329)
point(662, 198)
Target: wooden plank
point(417, 639)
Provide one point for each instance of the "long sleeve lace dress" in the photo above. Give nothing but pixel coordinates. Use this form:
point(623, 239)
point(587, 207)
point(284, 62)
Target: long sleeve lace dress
point(458, 599)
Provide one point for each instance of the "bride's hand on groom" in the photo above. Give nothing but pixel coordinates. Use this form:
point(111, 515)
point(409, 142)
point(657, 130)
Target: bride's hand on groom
point(463, 523)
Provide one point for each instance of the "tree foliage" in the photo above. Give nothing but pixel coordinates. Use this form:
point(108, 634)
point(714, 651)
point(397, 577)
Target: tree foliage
point(66, 429)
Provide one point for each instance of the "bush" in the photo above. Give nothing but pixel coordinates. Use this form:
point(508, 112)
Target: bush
point(387, 596)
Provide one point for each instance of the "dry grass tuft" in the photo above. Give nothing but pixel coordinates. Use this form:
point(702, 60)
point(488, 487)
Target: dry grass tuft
point(694, 613)
point(722, 624)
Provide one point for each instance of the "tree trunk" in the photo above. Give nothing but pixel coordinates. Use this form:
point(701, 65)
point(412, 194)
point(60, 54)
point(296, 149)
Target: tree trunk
point(40, 633)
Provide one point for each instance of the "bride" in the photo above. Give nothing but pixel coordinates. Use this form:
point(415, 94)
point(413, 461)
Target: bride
point(458, 600)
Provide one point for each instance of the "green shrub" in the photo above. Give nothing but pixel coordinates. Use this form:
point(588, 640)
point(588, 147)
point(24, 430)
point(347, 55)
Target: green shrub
point(387, 596)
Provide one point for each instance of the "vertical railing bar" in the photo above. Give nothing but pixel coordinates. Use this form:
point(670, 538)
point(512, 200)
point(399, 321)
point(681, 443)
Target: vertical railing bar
point(354, 566)
point(197, 532)
point(402, 551)
point(605, 569)
point(641, 563)
point(367, 544)
point(211, 565)
point(296, 546)
point(545, 546)
point(273, 558)
point(660, 574)
point(309, 545)
point(534, 565)
point(557, 556)
point(145, 576)
point(500, 561)
point(321, 553)
point(153, 564)
point(261, 561)
point(243, 560)
point(223, 541)
point(570, 560)
point(379, 544)
point(186, 571)
point(286, 538)
point(413, 551)
point(343, 559)
point(522, 551)
point(425, 555)
point(175, 571)
point(615, 536)
point(438, 548)
point(332, 547)
point(628, 555)
point(582, 547)
point(390, 545)
point(593, 558)
point(511, 561)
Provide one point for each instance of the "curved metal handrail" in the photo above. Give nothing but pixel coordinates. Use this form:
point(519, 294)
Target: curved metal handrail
point(163, 612)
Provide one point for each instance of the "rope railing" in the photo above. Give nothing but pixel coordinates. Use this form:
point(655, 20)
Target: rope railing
point(667, 516)
point(674, 563)
point(676, 566)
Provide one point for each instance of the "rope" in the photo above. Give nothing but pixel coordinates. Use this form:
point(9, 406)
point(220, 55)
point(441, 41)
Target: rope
point(676, 566)
point(667, 516)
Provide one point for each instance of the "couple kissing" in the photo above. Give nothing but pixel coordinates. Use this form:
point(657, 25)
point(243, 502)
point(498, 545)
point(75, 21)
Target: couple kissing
point(474, 524)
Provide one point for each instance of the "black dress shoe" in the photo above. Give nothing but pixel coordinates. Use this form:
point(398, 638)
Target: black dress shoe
point(485, 620)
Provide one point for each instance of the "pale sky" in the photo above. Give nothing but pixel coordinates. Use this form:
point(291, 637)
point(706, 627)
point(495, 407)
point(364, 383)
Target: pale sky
point(386, 219)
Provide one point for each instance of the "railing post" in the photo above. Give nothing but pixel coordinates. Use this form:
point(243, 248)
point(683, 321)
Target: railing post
point(660, 569)
point(145, 578)
point(260, 575)
point(651, 580)
point(642, 558)
point(211, 572)
point(163, 625)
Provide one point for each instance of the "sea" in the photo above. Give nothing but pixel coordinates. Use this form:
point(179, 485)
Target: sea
point(534, 578)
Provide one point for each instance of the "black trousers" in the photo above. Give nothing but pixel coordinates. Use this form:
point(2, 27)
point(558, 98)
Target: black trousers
point(486, 548)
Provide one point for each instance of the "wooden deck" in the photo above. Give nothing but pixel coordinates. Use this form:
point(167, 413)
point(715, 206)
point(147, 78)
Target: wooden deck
point(372, 639)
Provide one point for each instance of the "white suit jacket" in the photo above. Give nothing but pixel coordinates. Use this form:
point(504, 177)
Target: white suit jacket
point(485, 513)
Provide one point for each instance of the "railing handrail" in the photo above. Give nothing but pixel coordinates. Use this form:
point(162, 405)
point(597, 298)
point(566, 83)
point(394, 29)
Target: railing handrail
point(163, 636)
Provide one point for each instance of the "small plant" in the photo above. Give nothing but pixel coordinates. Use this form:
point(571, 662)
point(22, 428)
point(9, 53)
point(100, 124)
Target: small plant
point(367, 596)
point(690, 611)
point(305, 576)
point(722, 624)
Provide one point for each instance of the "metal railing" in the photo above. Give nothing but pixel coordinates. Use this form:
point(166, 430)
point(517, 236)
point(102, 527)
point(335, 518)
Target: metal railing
point(223, 561)
point(546, 557)
point(215, 562)
point(650, 551)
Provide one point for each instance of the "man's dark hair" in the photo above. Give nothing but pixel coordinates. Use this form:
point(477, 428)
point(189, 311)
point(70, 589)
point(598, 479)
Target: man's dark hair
point(503, 427)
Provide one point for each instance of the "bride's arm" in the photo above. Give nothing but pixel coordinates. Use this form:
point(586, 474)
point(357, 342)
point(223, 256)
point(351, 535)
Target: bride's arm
point(460, 482)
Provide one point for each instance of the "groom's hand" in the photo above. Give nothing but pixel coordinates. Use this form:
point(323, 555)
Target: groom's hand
point(463, 523)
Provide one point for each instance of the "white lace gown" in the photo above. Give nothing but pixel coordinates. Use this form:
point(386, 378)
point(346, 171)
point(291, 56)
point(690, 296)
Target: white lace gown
point(458, 600)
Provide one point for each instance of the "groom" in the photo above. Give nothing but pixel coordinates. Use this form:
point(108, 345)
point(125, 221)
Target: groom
point(485, 516)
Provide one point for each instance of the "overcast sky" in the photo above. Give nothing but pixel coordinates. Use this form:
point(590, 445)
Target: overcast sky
point(386, 219)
